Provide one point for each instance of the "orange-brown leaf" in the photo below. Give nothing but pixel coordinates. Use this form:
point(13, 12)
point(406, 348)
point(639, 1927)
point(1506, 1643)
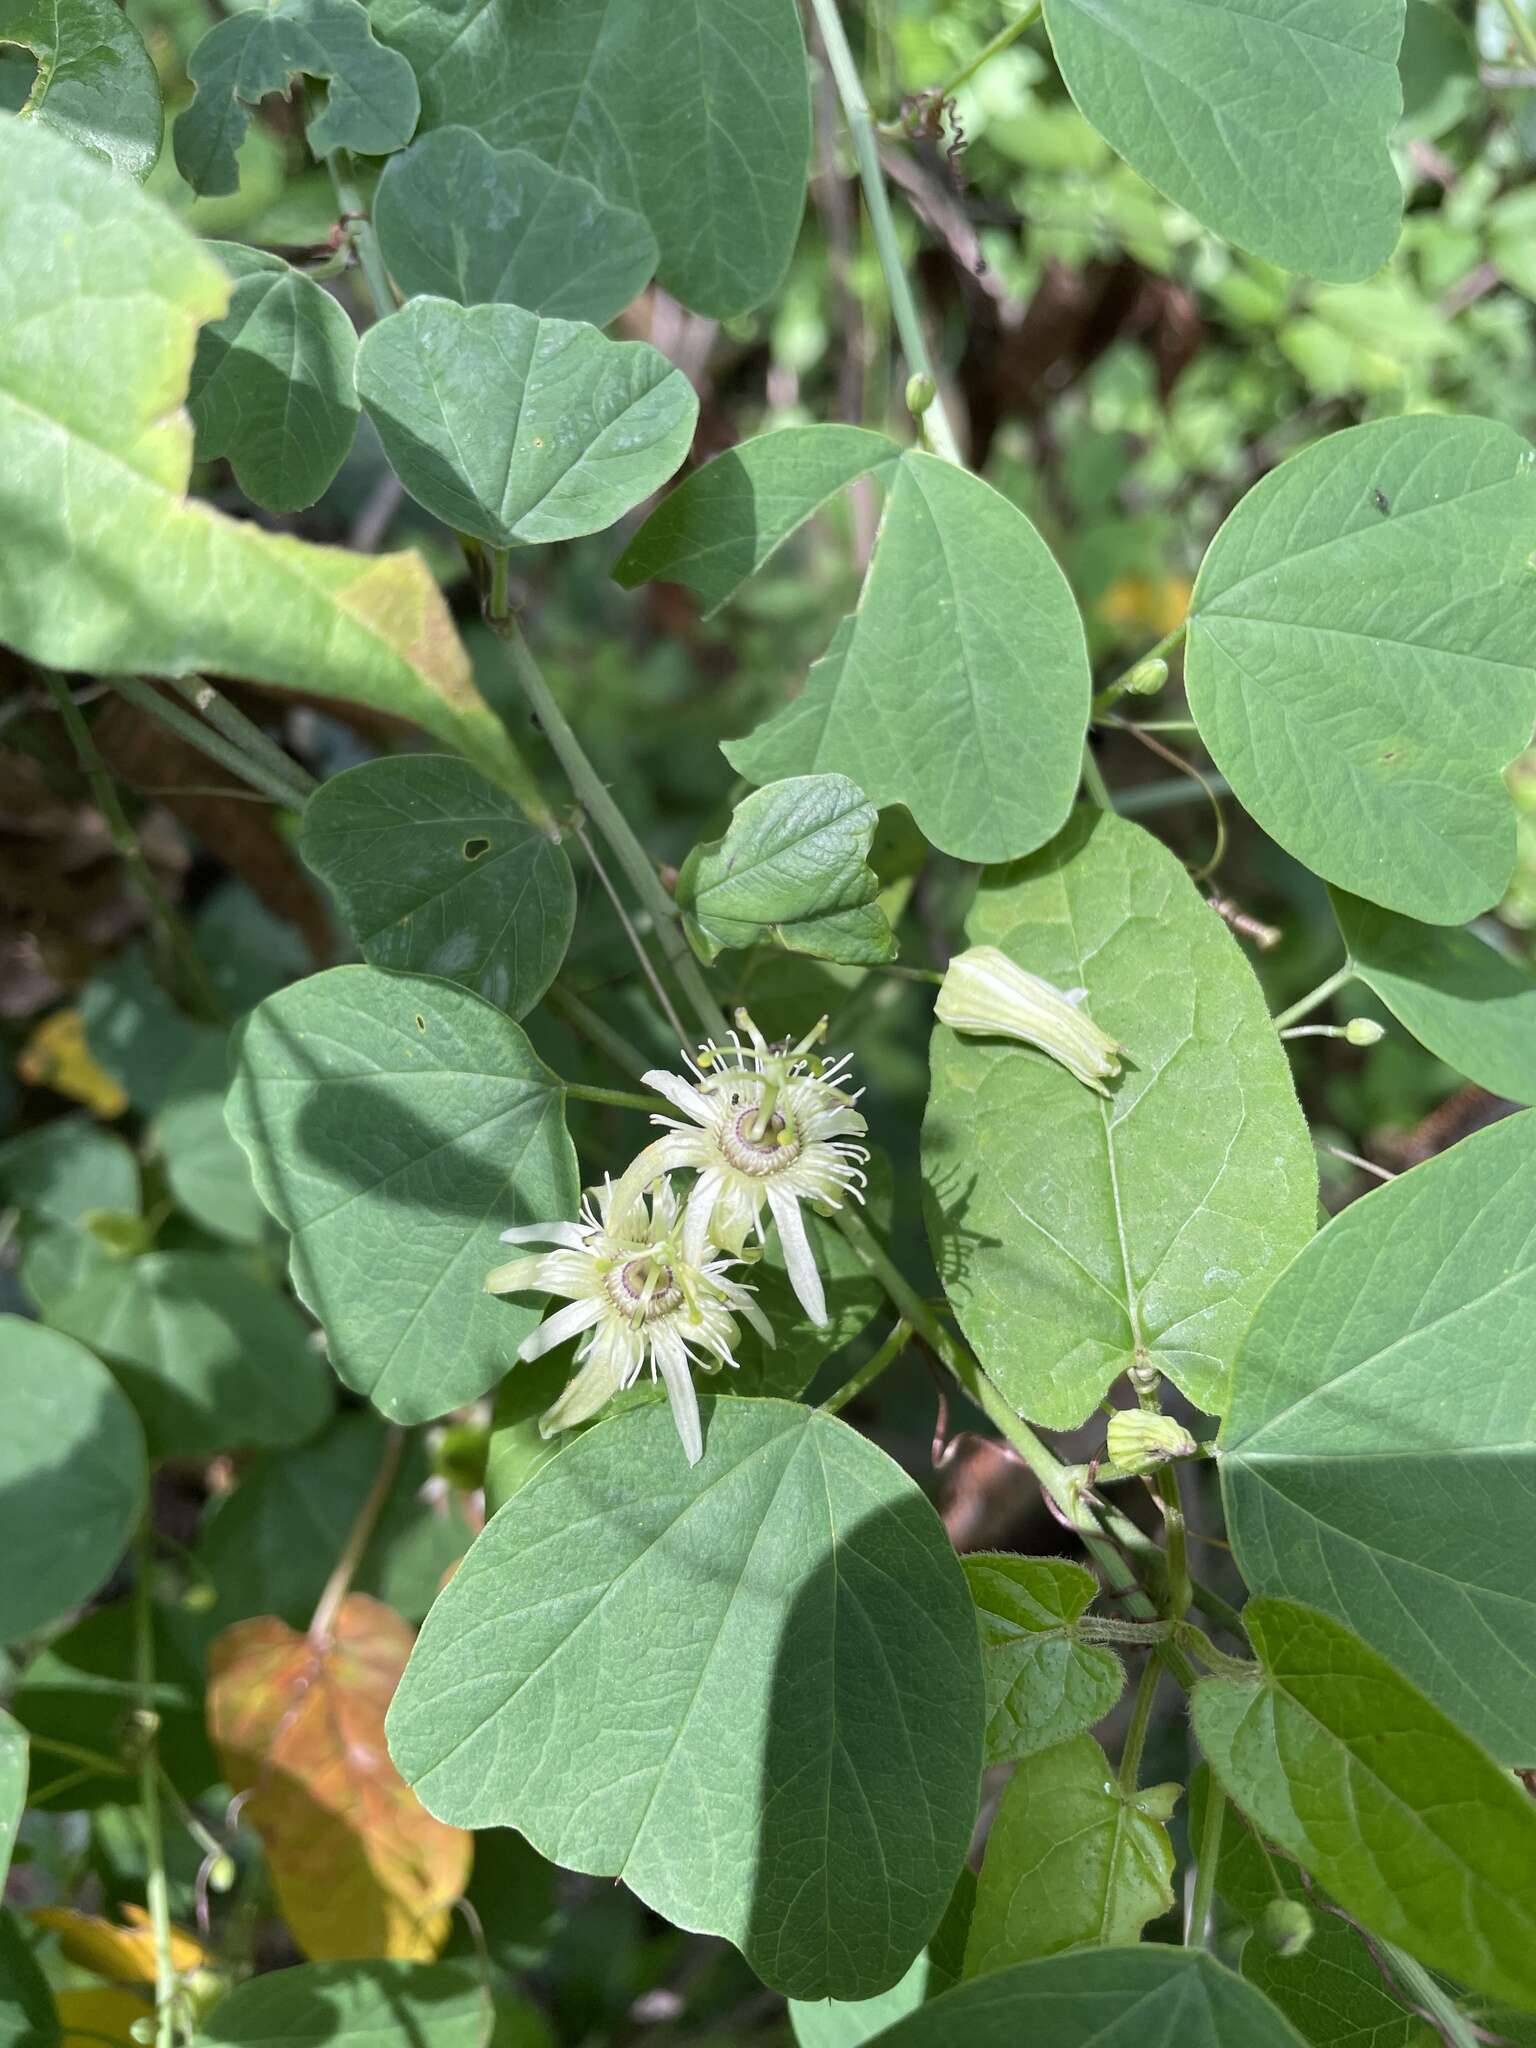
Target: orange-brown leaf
point(359, 1866)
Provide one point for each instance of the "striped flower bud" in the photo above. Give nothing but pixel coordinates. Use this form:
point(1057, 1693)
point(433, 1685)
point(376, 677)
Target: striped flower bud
point(1138, 1439)
point(986, 994)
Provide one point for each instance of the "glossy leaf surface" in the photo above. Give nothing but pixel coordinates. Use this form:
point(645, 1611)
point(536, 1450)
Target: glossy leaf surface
point(1360, 658)
point(1381, 1442)
point(457, 219)
point(727, 1685)
point(1401, 1816)
point(959, 687)
point(396, 1125)
point(437, 871)
point(1077, 1233)
point(72, 1476)
point(95, 83)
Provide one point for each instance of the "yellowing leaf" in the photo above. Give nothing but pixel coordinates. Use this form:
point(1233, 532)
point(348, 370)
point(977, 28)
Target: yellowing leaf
point(90, 2017)
point(125, 1954)
point(107, 564)
point(56, 1056)
point(359, 1866)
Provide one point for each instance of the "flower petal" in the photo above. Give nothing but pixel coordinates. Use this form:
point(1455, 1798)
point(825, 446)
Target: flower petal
point(659, 1157)
point(798, 1257)
point(585, 1396)
point(517, 1276)
point(673, 1360)
point(681, 1094)
point(568, 1235)
point(696, 1218)
point(569, 1321)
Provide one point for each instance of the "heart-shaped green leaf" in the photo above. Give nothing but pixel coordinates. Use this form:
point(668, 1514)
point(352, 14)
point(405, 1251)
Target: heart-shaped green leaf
point(371, 100)
point(1044, 1685)
point(726, 1684)
point(95, 84)
point(73, 1481)
point(959, 687)
point(355, 2005)
point(1360, 657)
point(1149, 1997)
point(1072, 1860)
point(205, 1169)
point(437, 871)
point(61, 1171)
point(457, 219)
point(514, 428)
point(107, 567)
point(1412, 1827)
point(1396, 1362)
point(1267, 120)
point(396, 1126)
point(1080, 1235)
point(722, 523)
point(272, 384)
point(1472, 1005)
point(696, 113)
point(793, 867)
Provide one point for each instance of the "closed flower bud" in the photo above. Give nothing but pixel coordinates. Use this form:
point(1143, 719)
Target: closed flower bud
point(1364, 1031)
point(1147, 677)
point(1138, 1440)
point(920, 394)
point(987, 994)
point(1285, 1926)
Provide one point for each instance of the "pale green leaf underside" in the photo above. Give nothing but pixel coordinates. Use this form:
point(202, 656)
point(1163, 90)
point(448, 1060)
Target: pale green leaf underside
point(850, 2022)
point(1076, 1233)
point(751, 1689)
point(1072, 1861)
point(1150, 1997)
point(792, 868)
point(371, 100)
point(696, 113)
point(13, 1792)
point(106, 566)
point(73, 1480)
point(521, 429)
point(272, 384)
point(438, 872)
point(213, 1357)
point(351, 2005)
point(721, 524)
point(459, 220)
point(1381, 1443)
point(1361, 660)
point(1043, 1685)
point(959, 686)
point(396, 1125)
point(95, 84)
point(1393, 1809)
point(1267, 119)
point(1470, 1004)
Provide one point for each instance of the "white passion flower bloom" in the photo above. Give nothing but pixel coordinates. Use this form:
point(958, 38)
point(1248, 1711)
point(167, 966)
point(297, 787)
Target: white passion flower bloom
point(635, 1297)
point(765, 1128)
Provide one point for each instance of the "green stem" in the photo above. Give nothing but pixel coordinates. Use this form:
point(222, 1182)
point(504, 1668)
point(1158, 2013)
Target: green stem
point(1416, 1982)
point(1115, 690)
point(1094, 783)
point(1141, 1720)
point(323, 1621)
point(583, 1018)
point(887, 1355)
point(931, 975)
point(866, 150)
point(1198, 1932)
point(1000, 41)
point(592, 793)
point(1520, 22)
point(615, 1098)
point(111, 1766)
point(280, 788)
point(147, 1723)
point(244, 732)
point(1179, 725)
point(1316, 1031)
point(1319, 995)
point(360, 233)
point(1171, 795)
point(173, 938)
point(1167, 1481)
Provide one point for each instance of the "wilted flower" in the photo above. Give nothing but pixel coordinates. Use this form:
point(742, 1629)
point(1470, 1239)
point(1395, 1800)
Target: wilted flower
point(985, 992)
point(635, 1296)
point(768, 1127)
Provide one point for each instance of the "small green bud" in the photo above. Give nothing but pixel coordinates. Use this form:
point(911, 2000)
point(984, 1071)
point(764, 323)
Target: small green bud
point(920, 394)
point(142, 2031)
point(987, 995)
point(1147, 677)
point(1364, 1031)
point(1139, 1440)
point(222, 1874)
point(199, 1597)
point(1285, 1926)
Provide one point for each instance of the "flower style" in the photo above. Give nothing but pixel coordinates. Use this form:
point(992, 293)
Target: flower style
point(986, 993)
point(636, 1296)
point(768, 1127)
